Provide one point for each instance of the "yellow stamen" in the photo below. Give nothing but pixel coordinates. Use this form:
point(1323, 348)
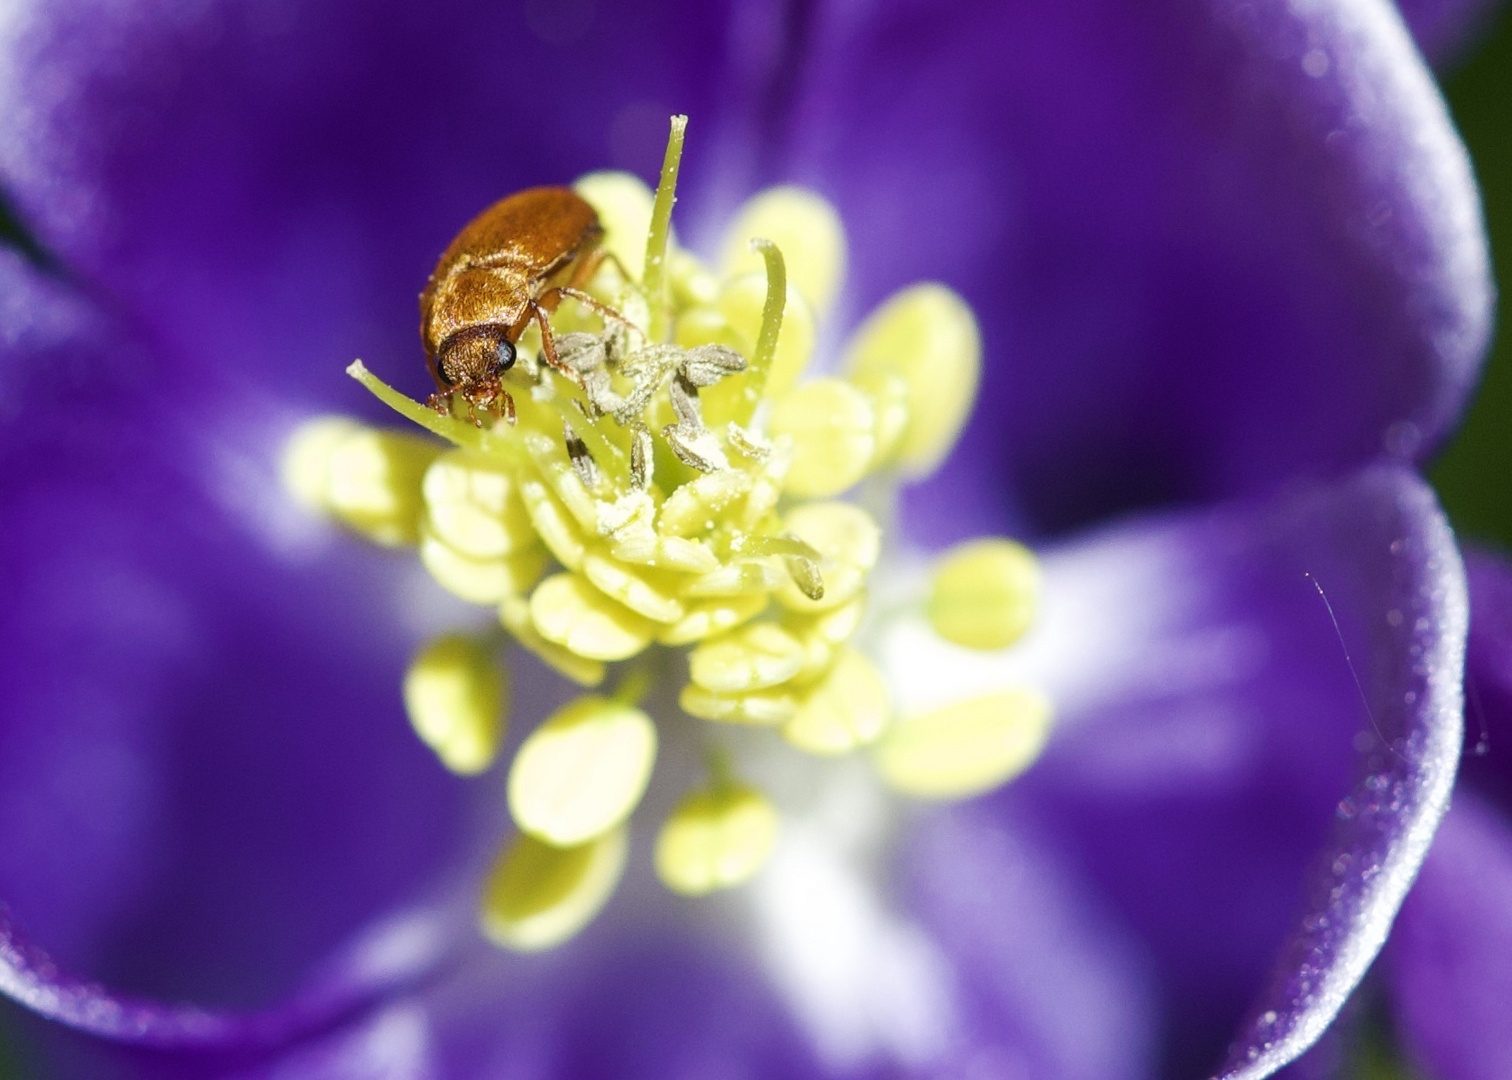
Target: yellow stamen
point(373, 482)
point(306, 465)
point(763, 708)
point(455, 693)
point(985, 594)
point(715, 839)
point(849, 708)
point(480, 580)
point(538, 895)
point(807, 229)
point(623, 203)
point(834, 431)
point(927, 335)
point(473, 505)
point(967, 748)
point(581, 772)
point(567, 610)
point(752, 657)
point(514, 616)
point(849, 542)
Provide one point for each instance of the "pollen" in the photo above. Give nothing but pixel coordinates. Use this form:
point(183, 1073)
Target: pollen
point(687, 499)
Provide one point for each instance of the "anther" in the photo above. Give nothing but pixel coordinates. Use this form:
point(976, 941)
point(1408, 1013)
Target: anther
point(582, 460)
point(640, 458)
point(455, 695)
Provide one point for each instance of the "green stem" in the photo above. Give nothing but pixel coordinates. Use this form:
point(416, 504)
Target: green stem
point(448, 427)
point(771, 325)
point(655, 278)
point(633, 688)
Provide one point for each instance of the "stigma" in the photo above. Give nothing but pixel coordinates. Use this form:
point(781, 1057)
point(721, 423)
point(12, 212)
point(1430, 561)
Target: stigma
point(685, 517)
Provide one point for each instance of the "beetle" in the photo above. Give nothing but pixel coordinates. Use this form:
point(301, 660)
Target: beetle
point(510, 264)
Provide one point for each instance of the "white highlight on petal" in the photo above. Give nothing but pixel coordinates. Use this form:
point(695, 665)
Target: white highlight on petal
point(863, 980)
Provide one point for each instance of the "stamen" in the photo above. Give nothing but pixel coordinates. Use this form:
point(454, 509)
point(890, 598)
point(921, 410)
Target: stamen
point(715, 839)
point(514, 615)
point(806, 228)
point(985, 594)
point(927, 335)
point(848, 542)
point(481, 580)
point(623, 203)
point(570, 612)
point(473, 504)
point(834, 431)
point(582, 772)
point(582, 460)
point(368, 478)
point(538, 895)
point(849, 707)
point(455, 694)
point(306, 463)
point(965, 749)
point(753, 657)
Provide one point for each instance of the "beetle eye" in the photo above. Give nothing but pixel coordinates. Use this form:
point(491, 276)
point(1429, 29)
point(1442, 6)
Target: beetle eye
point(506, 357)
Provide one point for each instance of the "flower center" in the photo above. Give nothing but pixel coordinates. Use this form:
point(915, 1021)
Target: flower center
point(671, 485)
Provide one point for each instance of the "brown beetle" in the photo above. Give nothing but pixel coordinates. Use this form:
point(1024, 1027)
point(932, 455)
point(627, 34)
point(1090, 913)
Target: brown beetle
point(510, 264)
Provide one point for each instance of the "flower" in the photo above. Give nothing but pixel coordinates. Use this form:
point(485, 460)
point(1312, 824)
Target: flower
point(1230, 275)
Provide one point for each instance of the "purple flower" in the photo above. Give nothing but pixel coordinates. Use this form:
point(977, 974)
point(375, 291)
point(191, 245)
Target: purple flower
point(1232, 283)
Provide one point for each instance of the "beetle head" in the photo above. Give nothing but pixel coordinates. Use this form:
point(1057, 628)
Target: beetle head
point(473, 357)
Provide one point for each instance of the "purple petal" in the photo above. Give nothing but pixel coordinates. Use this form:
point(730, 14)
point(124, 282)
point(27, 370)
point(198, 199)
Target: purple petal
point(1215, 767)
point(1212, 243)
point(198, 707)
point(619, 1006)
point(636, 1001)
point(1447, 964)
point(1050, 984)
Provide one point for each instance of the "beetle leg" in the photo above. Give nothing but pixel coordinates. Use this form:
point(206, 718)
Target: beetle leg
point(609, 314)
point(548, 344)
